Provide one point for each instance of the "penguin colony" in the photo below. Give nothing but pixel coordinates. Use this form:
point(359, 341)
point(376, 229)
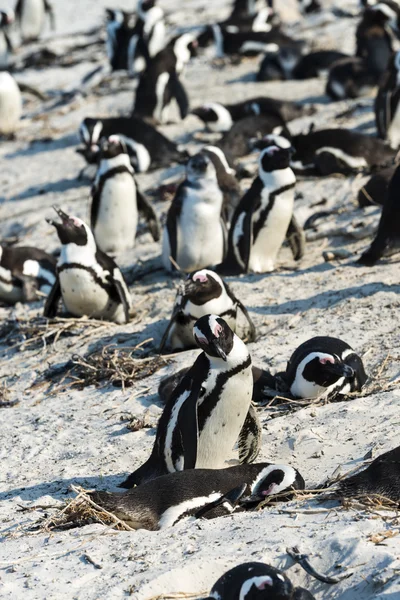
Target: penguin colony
point(227, 217)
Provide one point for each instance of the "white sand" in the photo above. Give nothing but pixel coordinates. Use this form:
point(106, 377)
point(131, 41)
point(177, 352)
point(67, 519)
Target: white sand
point(52, 440)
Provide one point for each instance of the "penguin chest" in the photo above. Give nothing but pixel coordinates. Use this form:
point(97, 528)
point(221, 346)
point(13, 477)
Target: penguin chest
point(270, 223)
point(117, 218)
point(200, 236)
point(10, 104)
point(83, 295)
point(224, 420)
point(32, 18)
point(393, 134)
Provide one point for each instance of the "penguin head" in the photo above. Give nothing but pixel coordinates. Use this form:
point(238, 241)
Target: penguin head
point(145, 5)
point(112, 147)
point(116, 16)
point(215, 116)
point(202, 286)
point(200, 167)
point(253, 581)
point(213, 335)
point(276, 479)
point(325, 369)
point(90, 132)
point(276, 154)
point(7, 17)
point(271, 139)
point(72, 230)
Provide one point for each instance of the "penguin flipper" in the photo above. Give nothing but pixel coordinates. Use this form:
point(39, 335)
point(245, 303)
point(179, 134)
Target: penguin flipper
point(168, 384)
point(232, 498)
point(48, 7)
point(148, 212)
point(296, 238)
point(172, 218)
point(179, 93)
point(122, 291)
point(252, 331)
point(249, 441)
point(188, 427)
point(51, 304)
point(94, 207)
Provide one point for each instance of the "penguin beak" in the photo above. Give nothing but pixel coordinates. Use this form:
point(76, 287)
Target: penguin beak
point(66, 220)
point(216, 346)
point(340, 369)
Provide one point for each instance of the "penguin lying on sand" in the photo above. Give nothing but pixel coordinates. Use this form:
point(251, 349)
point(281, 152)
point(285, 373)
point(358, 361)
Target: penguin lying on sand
point(264, 216)
point(194, 218)
point(6, 19)
point(220, 118)
point(387, 106)
point(387, 239)
point(316, 64)
point(209, 409)
point(203, 293)
point(381, 477)
point(23, 272)
point(10, 104)
point(376, 188)
point(256, 581)
point(88, 281)
point(147, 147)
point(116, 200)
point(30, 15)
point(338, 151)
point(278, 64)
point(208, 493)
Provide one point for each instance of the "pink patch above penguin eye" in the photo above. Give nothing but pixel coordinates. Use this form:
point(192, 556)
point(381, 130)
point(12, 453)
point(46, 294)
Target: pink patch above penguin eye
point(324, 361)
point(201, 278)
point(269, 490)
point(217, 330)
point(113, 139)
point(266, 582)
point(202, 340)
point(272, 149)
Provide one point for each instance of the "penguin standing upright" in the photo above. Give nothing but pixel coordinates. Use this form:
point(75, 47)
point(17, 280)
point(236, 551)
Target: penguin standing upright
point(387, 239)
point(227, 182)
point(324, 367)
point(256, 581)
point(206, 493)
point(148, 36)
point(194, 218)
point(6, 19)
point(30, 15)
point(387, 104)
point(120, 31)
point(116, 199)
point(89, 282)
point(159, 83)
point(205, 414)
point(10, 104)
point(204, 292)
point(23, 272)
point(262, 219)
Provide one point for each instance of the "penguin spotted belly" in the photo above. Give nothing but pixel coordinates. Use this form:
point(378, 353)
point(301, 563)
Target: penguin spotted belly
point(32, 19)
point(117, 219)
point(272, 234)
point(221, 429)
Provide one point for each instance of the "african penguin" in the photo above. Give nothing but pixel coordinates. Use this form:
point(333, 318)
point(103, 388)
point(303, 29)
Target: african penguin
point(387, 106)
point(116, 200)
point(88, 281)
point(194, 218)
point(148, 37)
point(203, 292)
point(30, 15)
point(248, 8)
point(119, 29)
point(262, 20)
point(338, 151)
point(147, 147)
point(208, 493)
point(159, 83)
point(10, 104)
point(256, 581)
point(263, 218)
point(324, 367)
point(387, 239)
point(316, 64)
point(373, 40)
point(381, 477)
point(227, 182)
point(6, 19)
point(278, 64)
point(219, 118)
point(23, 272)
point(206, 412)
point(374, 191)
point(350, 78)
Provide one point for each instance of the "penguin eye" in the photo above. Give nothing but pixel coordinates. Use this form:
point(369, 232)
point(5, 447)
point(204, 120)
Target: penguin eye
point(326, 360)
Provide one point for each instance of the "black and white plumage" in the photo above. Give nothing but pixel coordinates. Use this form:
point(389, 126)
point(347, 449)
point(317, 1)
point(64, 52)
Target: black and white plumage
point(227, 182)
point(30, 16)
point(387, 239)
point(279, 63)
point(375, 190)
point(160, 83)
point(23, 272)
point(194, 218)
point(373, 40)
point(116, 200)
point(148, 36)
point(208, 493)
point(203, 292)
point(344, 151)
point(219, 117)
point(256, 581)
point(119, 29)
point(264, 217)
point(381, 477)
point(147, 147)
point(206, 412)
point(387, 106)
point(324, 367)
point(88, 280)
point(10, 104)
point(350, 78)
point(316, 64)
point(6, 19)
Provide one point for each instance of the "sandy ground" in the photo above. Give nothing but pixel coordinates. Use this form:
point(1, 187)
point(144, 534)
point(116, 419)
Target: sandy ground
point(57, 436)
